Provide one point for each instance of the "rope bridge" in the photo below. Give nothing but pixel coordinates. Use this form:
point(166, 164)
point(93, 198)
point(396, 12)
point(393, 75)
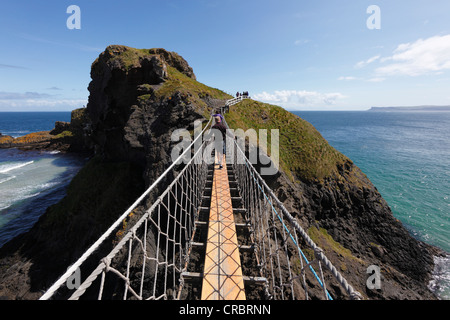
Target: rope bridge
point(164, 255)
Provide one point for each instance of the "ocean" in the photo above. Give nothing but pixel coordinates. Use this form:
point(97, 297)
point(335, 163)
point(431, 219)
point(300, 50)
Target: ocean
point(405, 155)
point(31, 181)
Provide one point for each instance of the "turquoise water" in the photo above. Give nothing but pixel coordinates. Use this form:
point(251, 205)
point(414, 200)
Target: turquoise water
point(407, 157)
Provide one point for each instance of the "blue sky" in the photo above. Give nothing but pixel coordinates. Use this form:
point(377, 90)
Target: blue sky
point(301, 55)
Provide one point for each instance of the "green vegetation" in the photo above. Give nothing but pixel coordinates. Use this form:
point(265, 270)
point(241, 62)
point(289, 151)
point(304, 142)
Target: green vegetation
point(194, 90)
point(128, 57)
point(180, 82)
point(304, 153)
point(64, 134)
point(323, 240)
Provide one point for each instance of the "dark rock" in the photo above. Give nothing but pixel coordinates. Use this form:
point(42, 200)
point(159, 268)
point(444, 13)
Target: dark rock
point(60, 127)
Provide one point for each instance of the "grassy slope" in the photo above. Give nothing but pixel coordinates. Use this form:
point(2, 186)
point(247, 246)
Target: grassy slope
point(304, 153)
point(178, 82)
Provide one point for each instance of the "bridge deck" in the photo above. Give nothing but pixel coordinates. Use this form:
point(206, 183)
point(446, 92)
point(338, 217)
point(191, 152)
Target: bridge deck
point(222, 276)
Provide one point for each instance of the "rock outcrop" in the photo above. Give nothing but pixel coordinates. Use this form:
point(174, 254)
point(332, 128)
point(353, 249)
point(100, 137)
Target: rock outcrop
point(65, 137)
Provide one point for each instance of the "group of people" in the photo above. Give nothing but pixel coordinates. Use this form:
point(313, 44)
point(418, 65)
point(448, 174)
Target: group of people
point(243, 94)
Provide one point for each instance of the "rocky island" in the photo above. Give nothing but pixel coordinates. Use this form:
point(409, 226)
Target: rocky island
point(138, 97)
point(65, 137)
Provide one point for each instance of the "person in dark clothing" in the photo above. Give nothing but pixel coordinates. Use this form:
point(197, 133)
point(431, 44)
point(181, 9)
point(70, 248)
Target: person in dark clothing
point(220, 144)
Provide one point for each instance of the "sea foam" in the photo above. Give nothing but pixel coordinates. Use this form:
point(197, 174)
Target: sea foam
point(440, 283)
point(13, 166)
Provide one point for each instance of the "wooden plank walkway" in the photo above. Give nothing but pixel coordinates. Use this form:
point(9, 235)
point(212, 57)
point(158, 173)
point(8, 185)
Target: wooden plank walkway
point(222, 275)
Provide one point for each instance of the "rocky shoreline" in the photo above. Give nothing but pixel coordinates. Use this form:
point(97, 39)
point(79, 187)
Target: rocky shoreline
point(138, 97)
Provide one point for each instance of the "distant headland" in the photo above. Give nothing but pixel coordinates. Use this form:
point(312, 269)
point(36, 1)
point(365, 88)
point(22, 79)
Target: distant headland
point(412, 109)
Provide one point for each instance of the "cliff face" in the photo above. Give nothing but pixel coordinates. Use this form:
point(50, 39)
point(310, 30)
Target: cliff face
point(138, 97)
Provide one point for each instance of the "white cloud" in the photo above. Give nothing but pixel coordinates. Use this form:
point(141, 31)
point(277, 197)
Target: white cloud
point(422, 57)
point(22, 96)
point(72, 45)
point(35, 101)
point(364, 63)
point(373, 79)
point(376, 79)
point(295, 98)
point(10, 66)
point(41, 104)
point(348, 78)
point(301, 42)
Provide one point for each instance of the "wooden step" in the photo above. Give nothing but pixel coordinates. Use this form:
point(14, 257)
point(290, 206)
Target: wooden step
point(222, 274)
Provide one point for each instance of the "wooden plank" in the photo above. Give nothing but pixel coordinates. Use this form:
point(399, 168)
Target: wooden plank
point(222, 275)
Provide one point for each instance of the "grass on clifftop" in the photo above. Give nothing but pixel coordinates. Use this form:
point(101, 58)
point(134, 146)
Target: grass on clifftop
point(196, 91)
point(304, 153)
point(180, 82)
point(127, 56)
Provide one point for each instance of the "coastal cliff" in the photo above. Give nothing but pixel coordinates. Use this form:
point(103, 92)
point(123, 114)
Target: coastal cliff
point(138, 97)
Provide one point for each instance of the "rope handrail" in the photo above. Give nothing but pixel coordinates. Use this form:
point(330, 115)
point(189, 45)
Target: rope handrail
point(72, 269)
